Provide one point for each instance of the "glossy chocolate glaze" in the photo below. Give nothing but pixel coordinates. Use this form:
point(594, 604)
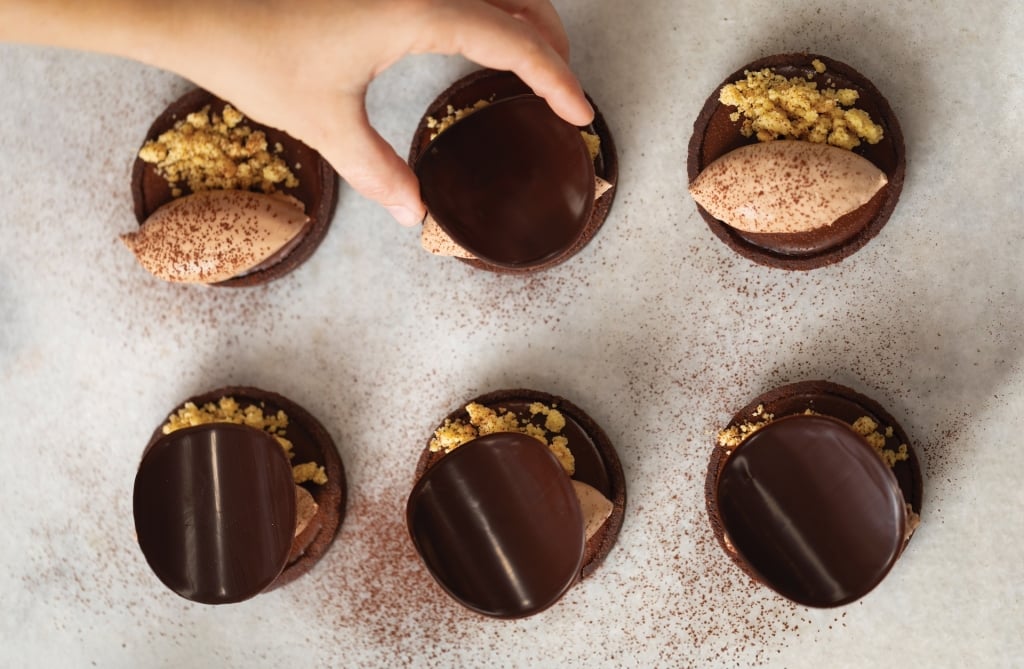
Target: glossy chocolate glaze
point(498, 525)
point(493, 85)
point(812, 509)
point(310, 443)
point(317, 189)
point(215, 511)
point(597, 463)
point(512, 183)
point(715, 134)
point(831, 400)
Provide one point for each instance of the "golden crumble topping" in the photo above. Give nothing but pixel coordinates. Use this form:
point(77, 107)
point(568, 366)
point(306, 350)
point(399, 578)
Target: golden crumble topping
point(452, 116)
point(593, 143)
point(865, 426)
point(217, 152)
point(484, 420)
point(731, 437)
point(227, 410)
point(774, 107)
point(868, 428)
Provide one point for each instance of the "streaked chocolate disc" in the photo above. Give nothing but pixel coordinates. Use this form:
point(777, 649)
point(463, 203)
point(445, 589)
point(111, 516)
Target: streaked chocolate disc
point(498, 525)
point(511, 183)
point(812, 509)
point(215, 511)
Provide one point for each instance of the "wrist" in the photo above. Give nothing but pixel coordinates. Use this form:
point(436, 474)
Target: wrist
point(157, 33)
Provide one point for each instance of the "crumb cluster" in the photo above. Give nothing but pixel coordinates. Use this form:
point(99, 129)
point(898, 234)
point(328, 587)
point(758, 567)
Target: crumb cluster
point(452, 116)
point(228, 410)
point(865, 426)
point(484, 420)
point(218, 152)
point(730, 437)
point(774, 107)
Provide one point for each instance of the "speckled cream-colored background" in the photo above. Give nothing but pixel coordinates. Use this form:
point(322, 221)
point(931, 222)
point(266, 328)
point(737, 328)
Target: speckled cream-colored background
point(656, 329)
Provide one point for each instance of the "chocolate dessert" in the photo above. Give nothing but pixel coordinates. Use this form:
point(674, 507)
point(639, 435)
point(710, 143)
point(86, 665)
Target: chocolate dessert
point(509, 186)
point(857, 106)
point(517, 496)
point(239, 492)
point(813, 490)
point(310, 187)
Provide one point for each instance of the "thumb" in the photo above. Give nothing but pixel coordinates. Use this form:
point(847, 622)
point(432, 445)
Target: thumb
point(369, 164)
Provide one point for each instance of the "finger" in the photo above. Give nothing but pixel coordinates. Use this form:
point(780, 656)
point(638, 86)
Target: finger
point(542, 15)
point(489, 36)
point(369, 164)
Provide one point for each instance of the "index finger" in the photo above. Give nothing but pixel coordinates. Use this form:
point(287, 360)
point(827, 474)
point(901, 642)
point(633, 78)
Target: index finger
point(540, 14)
point(491, 37)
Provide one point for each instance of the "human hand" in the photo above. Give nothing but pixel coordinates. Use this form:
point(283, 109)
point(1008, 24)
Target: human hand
point(307, 71)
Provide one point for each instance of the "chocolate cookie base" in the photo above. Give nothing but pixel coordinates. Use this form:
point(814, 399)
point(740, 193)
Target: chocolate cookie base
point(715, 134)
point(317, 189)
point(494, 85)
point(310, 443)
point(827, 398)
point(597, 463)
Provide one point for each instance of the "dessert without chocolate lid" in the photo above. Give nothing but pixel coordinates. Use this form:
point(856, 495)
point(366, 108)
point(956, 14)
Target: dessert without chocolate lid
point(597, 481)
point(813, 490)
point(489, 87)
point(316, 186)
point(215, 511)
point(498, 525)
point(511, 183)
point(716, 134)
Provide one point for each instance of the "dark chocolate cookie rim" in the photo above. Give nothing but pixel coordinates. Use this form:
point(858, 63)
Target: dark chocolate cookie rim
point(885, 201)
point(315, 445)
point(500, 85)
point(320, 197)
point(602, 543)
point(908, 476)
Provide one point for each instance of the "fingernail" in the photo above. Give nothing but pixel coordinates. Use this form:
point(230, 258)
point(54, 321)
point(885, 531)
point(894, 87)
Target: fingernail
point(404, 215)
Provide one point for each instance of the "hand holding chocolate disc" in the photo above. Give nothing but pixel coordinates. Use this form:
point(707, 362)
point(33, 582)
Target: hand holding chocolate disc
point(512, 183)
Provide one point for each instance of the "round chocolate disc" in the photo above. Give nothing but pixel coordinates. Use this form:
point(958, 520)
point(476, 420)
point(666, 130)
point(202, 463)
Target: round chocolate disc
point(512, 183)
point(498, 525)
point(812, 509)
point(310, 443)
point(214, 511)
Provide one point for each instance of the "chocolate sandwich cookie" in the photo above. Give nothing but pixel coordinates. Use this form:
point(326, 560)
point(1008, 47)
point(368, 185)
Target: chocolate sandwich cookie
point(239, 492)
point(841, 104)
point(517, 496)
point(509, 186)
point(813, 490)
point(310, 189)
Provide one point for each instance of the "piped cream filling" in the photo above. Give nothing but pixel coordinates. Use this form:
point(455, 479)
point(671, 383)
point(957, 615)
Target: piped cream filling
point(305, 509)
point(215, 235)
point(596, 507)
point(786, 186)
